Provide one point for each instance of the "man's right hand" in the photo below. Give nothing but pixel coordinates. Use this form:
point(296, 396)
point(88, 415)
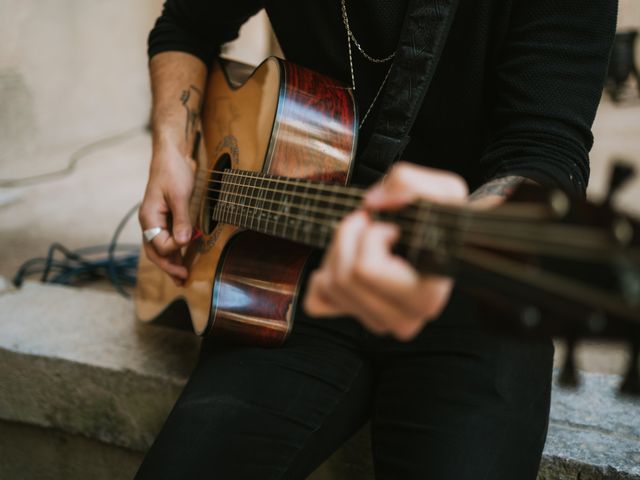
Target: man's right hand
point(166, 205)
point(177, 82)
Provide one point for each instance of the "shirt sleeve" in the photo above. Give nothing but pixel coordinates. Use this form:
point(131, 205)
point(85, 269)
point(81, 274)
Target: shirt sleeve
point(199, 27)
point(549, 80)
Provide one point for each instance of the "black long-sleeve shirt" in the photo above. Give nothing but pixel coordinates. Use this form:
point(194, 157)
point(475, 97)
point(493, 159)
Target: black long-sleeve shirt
point(515, 91)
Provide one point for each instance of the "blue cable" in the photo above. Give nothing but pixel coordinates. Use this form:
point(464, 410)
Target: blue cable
point(114, 262)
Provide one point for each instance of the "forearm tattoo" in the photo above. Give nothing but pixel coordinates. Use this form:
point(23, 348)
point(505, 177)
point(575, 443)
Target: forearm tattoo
point(191, 100)
point(502, 187)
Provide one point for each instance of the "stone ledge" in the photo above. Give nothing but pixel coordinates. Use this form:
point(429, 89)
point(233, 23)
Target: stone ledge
point(593, 432)
point(39, 453)
point(76, 361)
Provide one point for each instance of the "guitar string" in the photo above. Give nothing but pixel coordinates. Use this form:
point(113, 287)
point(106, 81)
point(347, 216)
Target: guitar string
point(356, 202)
point(522, 213)
point(513, 213)
point(355, 193)
point(581, 234)
point(404, 213)
point(552, 250)
point(517, 213)
point(583, 237)
point(349, 190)
point(337, 214)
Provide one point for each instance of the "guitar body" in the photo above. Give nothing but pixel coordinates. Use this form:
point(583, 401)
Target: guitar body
point(243, 286)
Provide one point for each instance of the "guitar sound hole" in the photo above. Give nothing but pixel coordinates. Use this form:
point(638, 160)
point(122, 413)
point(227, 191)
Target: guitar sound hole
point(213, 192)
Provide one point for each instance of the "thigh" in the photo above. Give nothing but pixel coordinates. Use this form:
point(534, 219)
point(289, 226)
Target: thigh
point(264, 413)
point(460, 404)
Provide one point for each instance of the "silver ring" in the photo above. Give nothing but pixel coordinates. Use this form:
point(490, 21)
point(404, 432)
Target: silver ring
point(151, 233)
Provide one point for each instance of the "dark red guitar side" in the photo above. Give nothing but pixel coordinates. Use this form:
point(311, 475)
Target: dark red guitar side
point(313, 136)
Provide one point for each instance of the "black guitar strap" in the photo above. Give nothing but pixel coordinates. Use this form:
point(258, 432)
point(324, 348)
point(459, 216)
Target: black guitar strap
point(424, 33)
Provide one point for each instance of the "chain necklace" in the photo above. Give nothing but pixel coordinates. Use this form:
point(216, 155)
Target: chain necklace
point(352, 38)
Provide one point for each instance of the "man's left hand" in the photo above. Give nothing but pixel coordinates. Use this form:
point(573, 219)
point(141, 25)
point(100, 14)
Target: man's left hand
point(361, 277)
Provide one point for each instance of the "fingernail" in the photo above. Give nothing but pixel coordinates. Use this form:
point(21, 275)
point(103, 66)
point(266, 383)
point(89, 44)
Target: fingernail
point(184, 236)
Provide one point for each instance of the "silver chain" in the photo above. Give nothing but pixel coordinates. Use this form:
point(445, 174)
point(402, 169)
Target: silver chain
point(352, 38)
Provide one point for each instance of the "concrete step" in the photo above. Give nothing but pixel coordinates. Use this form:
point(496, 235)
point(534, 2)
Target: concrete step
point(77, 361)
point(83, 385)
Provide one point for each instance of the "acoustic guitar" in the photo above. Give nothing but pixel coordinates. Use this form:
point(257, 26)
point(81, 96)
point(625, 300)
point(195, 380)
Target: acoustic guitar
point(274, 158)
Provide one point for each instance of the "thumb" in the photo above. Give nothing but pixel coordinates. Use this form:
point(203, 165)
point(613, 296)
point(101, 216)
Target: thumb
point(181, 224)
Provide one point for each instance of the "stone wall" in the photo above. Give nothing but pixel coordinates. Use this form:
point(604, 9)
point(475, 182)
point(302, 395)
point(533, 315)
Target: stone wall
point(70, 71)
point(629, 14)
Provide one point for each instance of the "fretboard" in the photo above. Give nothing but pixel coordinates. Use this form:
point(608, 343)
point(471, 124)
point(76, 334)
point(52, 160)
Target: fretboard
point(308, 212)
point(298, 210)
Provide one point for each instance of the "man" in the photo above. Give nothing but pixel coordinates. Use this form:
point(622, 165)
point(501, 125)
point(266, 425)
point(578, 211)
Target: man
point(512, 96)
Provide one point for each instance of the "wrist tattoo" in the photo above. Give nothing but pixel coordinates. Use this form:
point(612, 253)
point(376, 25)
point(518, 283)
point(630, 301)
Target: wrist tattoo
point(191, 100)
point(502, 187)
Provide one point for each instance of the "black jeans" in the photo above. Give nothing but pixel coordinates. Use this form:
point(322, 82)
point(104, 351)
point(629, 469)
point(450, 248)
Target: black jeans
point(455, 403)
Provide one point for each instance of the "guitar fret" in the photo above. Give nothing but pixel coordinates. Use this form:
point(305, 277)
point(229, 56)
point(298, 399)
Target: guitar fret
point(308, 227)
point(301, 215)
point(331, 203)
point(230, 199)
point(304, 202)
point(274, 205)
point(215, 215)
point(249, 211)
point(419, 231)
point(287, 212)
point(246, 200)
point(304, 208)
point(225, 196)
point(283, 211)
point(237, 210)
point(261, 205)
point(253, 181)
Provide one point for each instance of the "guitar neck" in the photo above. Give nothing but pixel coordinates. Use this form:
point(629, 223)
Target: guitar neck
point(308, 212)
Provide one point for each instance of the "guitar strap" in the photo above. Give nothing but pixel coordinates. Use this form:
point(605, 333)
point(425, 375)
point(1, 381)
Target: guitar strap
point(422, 39)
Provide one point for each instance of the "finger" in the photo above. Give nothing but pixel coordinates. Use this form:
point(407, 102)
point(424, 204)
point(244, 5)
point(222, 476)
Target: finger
point(172, 264)
point(343, 249)
point(394, 279)
point(337, 270)
point(333, 301)
point(316, 304)
point(407, 182)
point(181, 228)
point(437, 292)
point(154, 213)
point(386, 313)
point(377, 313)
